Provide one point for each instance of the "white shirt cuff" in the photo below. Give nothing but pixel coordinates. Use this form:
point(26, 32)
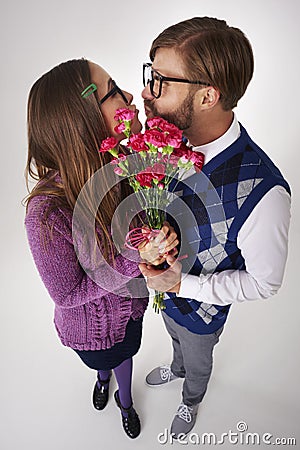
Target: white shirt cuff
point(190, 287)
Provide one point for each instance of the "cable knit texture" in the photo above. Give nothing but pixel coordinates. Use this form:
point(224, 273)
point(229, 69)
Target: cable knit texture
point(87, 316)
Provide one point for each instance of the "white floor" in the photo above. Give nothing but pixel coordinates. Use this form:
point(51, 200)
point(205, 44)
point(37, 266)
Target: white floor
point(46, 390)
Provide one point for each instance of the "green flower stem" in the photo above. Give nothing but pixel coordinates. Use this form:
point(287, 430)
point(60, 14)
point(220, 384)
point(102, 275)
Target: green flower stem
point(158, 301)
point(123, 166)
point(113, 152)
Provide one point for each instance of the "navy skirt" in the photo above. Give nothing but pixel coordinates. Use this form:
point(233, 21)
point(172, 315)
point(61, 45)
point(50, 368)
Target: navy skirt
point(112, 357)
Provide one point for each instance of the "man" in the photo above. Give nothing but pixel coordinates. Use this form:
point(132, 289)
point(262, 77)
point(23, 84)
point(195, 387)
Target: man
point(200, 69)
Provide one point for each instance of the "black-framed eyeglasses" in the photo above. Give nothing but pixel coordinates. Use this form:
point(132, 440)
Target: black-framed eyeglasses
point(114, 89)
point(155, 80)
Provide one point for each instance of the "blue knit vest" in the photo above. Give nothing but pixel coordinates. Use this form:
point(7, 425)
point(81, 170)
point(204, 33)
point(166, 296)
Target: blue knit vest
point(220, 199)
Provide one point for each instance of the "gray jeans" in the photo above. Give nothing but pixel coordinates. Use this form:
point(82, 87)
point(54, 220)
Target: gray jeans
point(192, 359)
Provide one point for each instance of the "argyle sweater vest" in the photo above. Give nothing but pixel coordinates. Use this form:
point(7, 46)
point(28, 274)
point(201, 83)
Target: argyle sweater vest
point(207, 212)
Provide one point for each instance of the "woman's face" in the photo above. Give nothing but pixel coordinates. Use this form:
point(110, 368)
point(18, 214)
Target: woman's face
point(104, 84)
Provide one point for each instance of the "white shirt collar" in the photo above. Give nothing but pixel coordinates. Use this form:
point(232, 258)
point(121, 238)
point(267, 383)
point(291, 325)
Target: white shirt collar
point(212, 149)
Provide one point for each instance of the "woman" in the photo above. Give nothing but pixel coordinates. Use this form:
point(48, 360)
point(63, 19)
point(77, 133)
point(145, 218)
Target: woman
point(70, 111)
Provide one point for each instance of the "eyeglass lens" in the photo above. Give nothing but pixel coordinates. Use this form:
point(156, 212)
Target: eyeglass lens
point(122, 94)
point(152, 78)
point(112, 92)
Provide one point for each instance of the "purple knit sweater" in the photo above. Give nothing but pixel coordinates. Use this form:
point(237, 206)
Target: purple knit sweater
point(87, 316)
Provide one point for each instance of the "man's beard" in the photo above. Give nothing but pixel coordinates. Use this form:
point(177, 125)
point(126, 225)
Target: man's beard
point(182, 117)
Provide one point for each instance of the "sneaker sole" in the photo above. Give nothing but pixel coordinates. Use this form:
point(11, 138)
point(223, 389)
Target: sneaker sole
point(161, 384)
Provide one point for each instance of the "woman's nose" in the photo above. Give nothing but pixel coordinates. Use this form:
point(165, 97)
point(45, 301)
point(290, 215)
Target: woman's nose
point(128, 96)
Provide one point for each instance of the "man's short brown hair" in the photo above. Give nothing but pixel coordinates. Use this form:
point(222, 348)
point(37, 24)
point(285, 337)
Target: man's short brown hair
point(213, 52)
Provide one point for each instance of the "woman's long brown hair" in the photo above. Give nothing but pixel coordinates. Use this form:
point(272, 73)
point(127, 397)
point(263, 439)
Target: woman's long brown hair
point(65, 132)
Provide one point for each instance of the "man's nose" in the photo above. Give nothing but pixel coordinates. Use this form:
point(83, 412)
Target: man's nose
point(146, 93)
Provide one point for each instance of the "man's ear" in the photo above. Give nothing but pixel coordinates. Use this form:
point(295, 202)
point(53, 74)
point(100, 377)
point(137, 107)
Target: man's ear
point(209, 97)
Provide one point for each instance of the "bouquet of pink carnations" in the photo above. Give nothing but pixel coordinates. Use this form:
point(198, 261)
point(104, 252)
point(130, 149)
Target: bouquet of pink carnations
point(160, 155)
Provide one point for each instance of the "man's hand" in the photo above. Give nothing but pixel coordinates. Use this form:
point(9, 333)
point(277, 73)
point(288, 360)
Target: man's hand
point(163, 280)
point(155, 251)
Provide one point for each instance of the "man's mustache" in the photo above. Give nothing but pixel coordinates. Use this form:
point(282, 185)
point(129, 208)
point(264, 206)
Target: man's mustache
point(148, 103)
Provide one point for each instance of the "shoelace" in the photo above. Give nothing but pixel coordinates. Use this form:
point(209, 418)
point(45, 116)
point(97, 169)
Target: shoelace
point(184, 412)
point(165, 373)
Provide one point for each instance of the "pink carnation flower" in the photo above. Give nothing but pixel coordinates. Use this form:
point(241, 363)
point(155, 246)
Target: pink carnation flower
point(181, 150)
point(155, 137)
point(174, 138)
point(197, 158)
point(173, 159)
point(155, 122)
point(145, 177)
point(168, 127)
point(108, 144)
point(184, 159)
point(120, 128)
point(118, 170)
point(158, 170)
point(137, 143)
point(124, 114)
point(118, 158)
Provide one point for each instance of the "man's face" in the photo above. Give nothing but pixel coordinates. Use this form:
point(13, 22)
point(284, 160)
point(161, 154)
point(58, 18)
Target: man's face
point(176, 101)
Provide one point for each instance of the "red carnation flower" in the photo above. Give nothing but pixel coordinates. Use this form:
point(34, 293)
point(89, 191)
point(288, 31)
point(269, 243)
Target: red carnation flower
point(155, 137)
point(137, 143)
point(108, 144)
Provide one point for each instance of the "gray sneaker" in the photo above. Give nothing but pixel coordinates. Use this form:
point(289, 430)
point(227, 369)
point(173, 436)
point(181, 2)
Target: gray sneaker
point(184, 420)
point(160, 375)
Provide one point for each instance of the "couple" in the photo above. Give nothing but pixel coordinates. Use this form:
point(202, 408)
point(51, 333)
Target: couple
point(200, 69)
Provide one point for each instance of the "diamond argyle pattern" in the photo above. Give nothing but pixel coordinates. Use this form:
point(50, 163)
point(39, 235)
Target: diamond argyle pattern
point(220, 197)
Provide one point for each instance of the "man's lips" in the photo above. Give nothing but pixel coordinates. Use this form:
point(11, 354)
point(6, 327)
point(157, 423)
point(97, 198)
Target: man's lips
point(147, 110)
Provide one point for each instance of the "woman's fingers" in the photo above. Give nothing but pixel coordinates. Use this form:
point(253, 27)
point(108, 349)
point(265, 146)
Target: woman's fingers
point(166, 247)
point(167, 238)
point(163, 243)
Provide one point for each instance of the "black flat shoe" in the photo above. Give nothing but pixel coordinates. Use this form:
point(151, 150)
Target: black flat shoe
point(131, 423)
point(100, 395)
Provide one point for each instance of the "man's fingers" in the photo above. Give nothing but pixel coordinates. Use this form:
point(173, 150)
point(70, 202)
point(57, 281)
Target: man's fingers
point(172, 261)
point(148, 270)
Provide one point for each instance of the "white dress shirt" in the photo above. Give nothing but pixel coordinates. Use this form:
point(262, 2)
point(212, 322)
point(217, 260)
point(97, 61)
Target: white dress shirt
point(263, 241)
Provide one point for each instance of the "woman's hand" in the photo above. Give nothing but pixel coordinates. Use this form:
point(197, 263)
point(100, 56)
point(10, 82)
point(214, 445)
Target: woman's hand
point(163, 244)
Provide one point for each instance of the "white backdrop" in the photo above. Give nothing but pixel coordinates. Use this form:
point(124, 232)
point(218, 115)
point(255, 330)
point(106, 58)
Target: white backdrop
point(45, 390)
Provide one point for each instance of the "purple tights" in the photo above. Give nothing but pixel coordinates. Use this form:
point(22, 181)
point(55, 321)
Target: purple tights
point(123, 374)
